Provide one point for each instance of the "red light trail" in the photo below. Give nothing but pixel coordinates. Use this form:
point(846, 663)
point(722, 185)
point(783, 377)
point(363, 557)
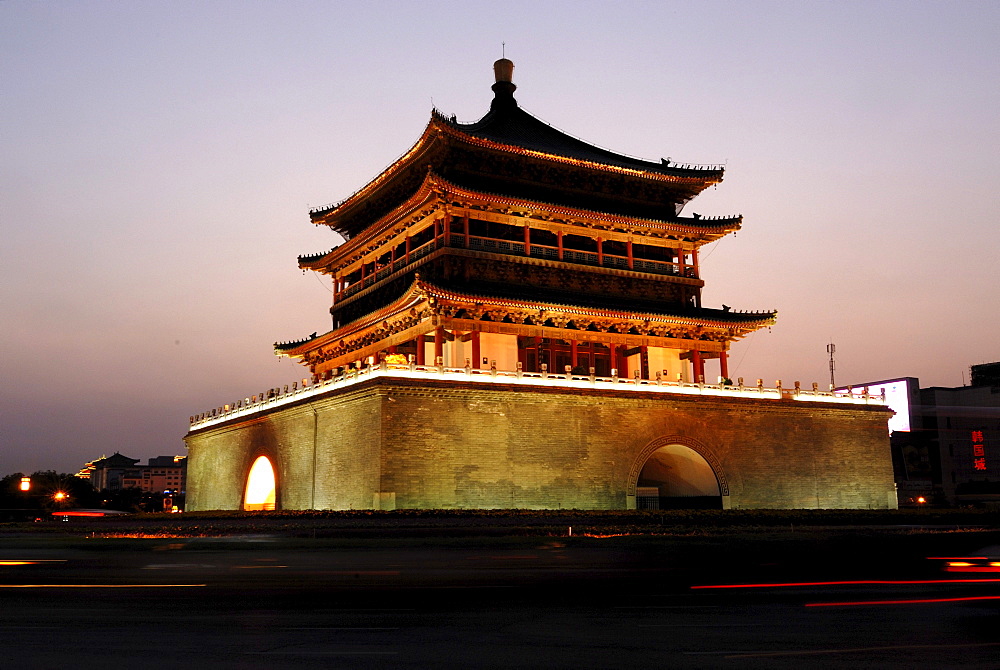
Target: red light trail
point(847, 583)
point(903, 602)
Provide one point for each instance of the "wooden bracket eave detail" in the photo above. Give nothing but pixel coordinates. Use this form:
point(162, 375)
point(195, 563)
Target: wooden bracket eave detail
point(582, 335)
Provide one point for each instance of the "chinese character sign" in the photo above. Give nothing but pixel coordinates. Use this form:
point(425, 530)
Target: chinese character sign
point(978, 450)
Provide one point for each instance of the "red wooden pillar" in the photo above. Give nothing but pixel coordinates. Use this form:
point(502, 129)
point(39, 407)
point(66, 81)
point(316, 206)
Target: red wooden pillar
point(447, 230)
point(437, 233)
point(680, 262)
point(438, 343)
point(697, 365)
point(631, 258)
point(613, 358)
point(420, 350)
point(622, 362)
point(408, 245)
point(527, 240)
point(600, 251)
point(476, 351)
point(694, 262)
point(465, 229)
point(560, 243)
point(724, 365)
point(574, 353)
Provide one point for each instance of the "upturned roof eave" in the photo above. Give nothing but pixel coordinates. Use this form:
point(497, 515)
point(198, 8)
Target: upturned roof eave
point(419, 197)
point(326, 215)
point(413, 295)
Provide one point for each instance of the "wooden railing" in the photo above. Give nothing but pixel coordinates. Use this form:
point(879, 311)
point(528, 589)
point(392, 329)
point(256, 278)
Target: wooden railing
point(517, 248)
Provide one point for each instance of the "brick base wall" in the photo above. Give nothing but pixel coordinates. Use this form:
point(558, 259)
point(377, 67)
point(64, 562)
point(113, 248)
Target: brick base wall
point(403, 444)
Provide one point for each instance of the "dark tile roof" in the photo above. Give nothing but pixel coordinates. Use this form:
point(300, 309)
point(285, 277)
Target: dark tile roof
point(511, 125)
point(115, 460)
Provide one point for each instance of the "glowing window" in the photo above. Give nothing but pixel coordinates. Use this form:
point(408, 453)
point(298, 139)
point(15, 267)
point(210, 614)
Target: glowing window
point(260, 493)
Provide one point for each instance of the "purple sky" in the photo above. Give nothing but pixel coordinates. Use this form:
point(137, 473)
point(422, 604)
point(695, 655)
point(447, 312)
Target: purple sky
point(158, 161)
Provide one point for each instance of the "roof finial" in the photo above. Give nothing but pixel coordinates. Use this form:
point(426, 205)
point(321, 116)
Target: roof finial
point(503, 70)
point(504, 87)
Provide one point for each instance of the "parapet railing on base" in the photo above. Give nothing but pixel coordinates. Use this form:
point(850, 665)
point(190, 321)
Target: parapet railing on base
point(279, 396)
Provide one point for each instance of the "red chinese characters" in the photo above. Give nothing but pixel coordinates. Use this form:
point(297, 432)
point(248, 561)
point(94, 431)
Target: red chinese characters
point(978, 450)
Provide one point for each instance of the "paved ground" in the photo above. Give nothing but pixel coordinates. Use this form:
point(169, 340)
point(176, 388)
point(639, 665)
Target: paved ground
point(272, 603)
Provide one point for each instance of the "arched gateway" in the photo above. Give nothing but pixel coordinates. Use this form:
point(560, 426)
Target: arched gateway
point(677, 473)
point(261, 490)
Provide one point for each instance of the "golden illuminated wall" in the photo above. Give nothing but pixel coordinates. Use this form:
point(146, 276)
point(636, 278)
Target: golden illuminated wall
point(499, 348)
point(420, 444)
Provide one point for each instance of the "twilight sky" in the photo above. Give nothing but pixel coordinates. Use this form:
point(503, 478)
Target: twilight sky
point(158, 161)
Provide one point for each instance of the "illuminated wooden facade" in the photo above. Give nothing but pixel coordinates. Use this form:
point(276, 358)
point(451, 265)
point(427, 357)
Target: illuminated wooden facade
point(508, 243)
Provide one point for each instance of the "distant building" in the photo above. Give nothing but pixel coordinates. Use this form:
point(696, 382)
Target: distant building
point(108, 472)
point(163, 473)
point(945, 441)
point(963, 427)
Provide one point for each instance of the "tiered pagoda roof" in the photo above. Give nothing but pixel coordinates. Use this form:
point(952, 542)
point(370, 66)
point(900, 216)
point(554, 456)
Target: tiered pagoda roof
point(436, 187)
point(512, 152)
point(512, 227)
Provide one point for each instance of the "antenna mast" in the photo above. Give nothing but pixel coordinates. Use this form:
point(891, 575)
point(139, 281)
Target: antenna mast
point(830, 348)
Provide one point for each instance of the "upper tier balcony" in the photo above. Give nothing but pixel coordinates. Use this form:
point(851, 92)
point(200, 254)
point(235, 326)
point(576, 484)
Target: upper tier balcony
point(420, 246)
